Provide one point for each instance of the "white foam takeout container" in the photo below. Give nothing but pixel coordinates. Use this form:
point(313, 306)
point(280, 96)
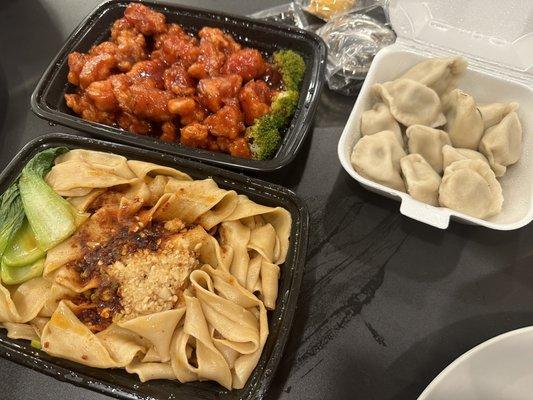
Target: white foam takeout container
point(497, 40)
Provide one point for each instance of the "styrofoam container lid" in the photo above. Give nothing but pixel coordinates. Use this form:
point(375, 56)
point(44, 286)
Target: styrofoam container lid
point(495, 33)
point(497, 40)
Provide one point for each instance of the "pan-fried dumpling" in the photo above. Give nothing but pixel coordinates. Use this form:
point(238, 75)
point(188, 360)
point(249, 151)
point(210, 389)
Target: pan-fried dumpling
point(470, 187)
point(451, 154)
point(410, 102)
point(380, 119)
point(428, 143)
point(421, 181)
point(502, 143)
point(493, 113)
point(439, 74)
point(377, 157)
point(464, 123)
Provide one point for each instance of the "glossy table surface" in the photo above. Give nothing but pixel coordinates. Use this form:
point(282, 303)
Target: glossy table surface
point(386, 302)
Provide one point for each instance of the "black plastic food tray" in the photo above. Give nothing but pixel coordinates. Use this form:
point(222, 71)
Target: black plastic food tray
point(48, 101)
point(118, 383)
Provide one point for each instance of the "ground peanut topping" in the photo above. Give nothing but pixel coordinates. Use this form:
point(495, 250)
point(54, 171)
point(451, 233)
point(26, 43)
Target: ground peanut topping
point(152, 281)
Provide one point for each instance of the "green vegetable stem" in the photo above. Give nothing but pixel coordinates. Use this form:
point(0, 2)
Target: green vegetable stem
point(11, 215)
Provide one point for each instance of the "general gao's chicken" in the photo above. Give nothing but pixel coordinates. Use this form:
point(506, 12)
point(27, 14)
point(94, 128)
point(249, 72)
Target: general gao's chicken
point(153, 78)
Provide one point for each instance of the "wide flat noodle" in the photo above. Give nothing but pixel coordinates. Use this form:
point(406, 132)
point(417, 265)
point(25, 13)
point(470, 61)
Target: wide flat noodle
point(158, 329)
point(122, 344)
point(236, 235)
point(278, 217)
point(143, 169)
point(147, 371)
point(211, 363)
point(20, 331)
point(88, 176)
point(24, 302)
point(229, 289)
point(189, 200)
point(66, 337)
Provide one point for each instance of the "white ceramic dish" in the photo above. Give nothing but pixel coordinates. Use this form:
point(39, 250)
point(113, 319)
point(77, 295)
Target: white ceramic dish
point(421, 35)
point(499, 369)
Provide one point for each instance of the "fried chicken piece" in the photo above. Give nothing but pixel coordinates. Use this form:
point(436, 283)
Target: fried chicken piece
point(172, 30)
point(215, 46)
point(120, 84)
point(248, 63)
point(131, 123)
point(182, 106)
point(148, 102)
point(198, 114)
point(221, 143)
point(222, 41)
point(228, 122)
point(97, 68)
point(177, 80)
point(176, 45)
point(104, 48)
point(168, 130)
point(127, 54)
point(148, 72)
point(213, 91)
point(255, 99)
point(102, 95)
point(76, 61)
point(194, 135)
point(239, 148)
point(210, 60)
point(131, 44)
point(141, 98)
point(146, 20)
point(83, 106)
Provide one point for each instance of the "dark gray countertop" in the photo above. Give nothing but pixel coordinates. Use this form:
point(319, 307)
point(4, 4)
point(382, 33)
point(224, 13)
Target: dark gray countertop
point(386, 302)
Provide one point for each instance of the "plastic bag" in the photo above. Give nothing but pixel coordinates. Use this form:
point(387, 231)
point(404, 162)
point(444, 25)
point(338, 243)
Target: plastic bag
point(353, 40)
point(290, 14)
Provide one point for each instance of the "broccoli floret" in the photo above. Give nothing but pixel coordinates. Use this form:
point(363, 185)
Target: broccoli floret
point(292, 68)
point(284, 105)
point(264, 137)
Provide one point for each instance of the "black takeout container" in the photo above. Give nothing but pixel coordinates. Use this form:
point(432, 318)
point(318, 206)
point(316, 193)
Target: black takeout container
point(48, 101)
point(118, 383)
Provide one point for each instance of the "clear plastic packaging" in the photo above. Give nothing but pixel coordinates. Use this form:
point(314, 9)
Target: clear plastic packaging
point(353, 40)
point(327, 9)
point(353, 37)
point(289, 13)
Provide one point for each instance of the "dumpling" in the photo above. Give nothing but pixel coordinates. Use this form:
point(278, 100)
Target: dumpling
point(377, 157)
point(464, 122)
point(428, 143)
point(380, 119)
point(493, 113)
point(439, 74)
point(502, 143)
point(421, 181)
point(470, 187)
point(410, 102)
point(451, 154)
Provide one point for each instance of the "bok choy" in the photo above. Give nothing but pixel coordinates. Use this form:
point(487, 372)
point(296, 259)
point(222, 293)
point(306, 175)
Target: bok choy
point(11, 215)
point(33, 219)
point(50, 216)
point(23, 249)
